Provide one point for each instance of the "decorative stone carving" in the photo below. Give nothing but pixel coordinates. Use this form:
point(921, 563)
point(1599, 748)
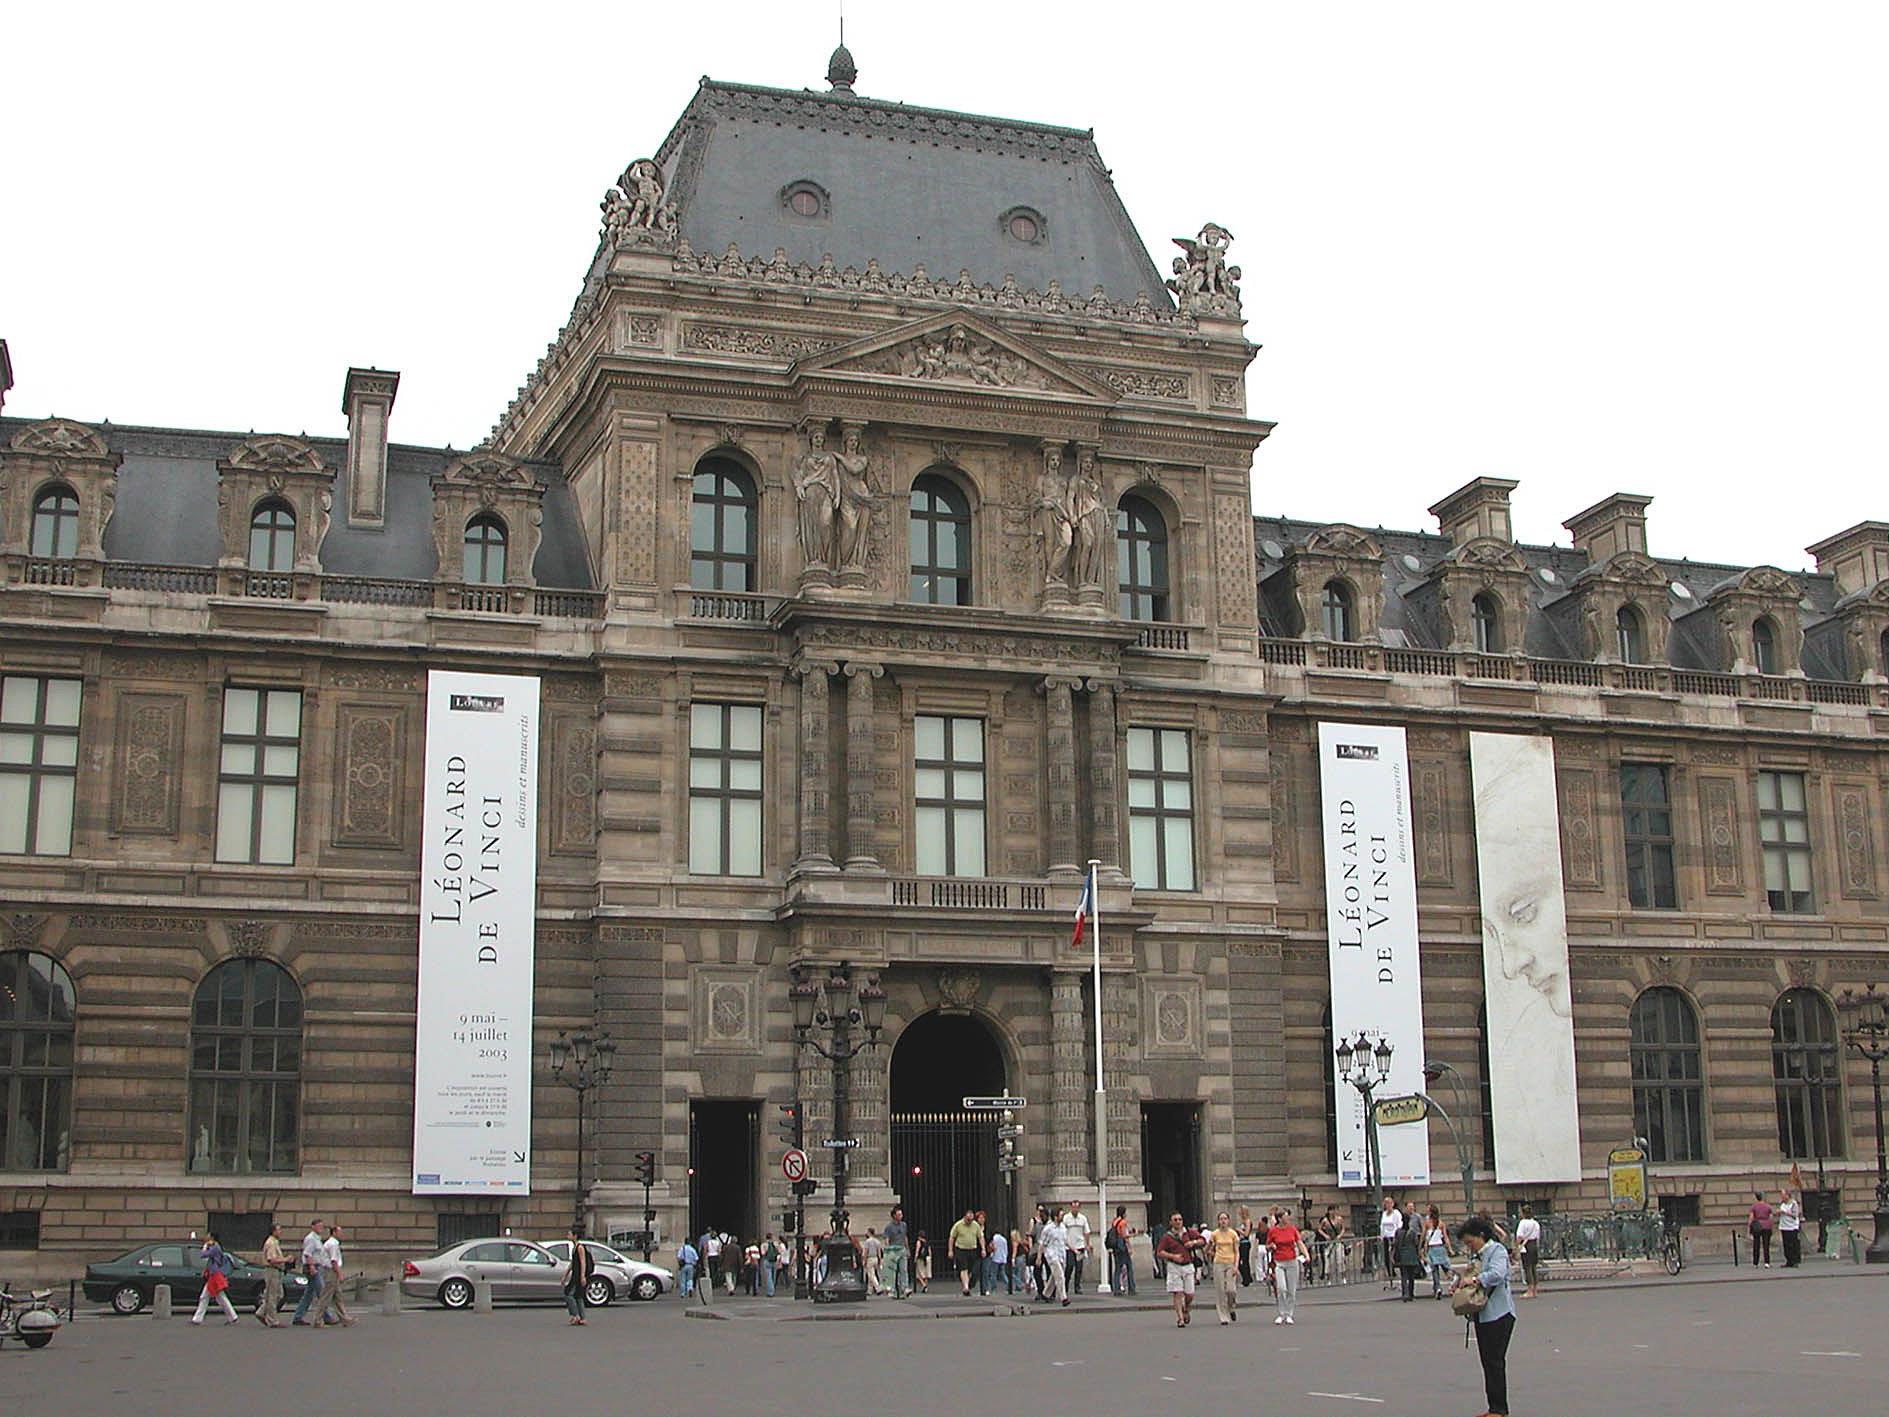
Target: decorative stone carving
point(1055, 525)
point(149, 752)
point(1331, 553)
point(574, 813)
point(1433, 825)
point(770, 344)
point(958, 355)
point(1854, 832)
point(1172, 1006)
point(21, 930)
point(1141, 384)
point(62, 438)
point(958, 990)
point(1761, 593)
point(1285, 840)
point(635, 212)
point(282, 468)
point(726, 1012)
point(1203, 283)
point(249, 939)
point(1225, 391)
point(836, 497)
point(1483, 566)
point(1627, 578)
point(1718, 809)
point(367, 776)
point(484, 481)
point(1091, 555)
point(57, 450)
point(1580, 848)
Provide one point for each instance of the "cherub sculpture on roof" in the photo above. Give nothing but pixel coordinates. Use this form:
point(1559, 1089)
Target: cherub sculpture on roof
point(1203, 281)
point(634, 210)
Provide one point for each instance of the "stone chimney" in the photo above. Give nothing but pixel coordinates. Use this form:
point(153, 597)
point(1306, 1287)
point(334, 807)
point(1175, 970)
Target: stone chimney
point(6, 375)
point(367, 399)
point(1475, 510)
point(1857, 559)
point(1609, 528)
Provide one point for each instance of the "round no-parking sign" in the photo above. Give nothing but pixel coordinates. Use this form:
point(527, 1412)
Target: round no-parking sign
point(794, 1164)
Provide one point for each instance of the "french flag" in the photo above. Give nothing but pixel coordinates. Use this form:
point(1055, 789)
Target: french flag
point(1084, 908)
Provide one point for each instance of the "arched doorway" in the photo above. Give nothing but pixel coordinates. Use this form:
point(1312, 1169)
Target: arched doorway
point(944, 1159)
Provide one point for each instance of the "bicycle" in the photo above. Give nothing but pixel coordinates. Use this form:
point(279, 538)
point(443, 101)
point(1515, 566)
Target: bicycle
point(1671, 1253)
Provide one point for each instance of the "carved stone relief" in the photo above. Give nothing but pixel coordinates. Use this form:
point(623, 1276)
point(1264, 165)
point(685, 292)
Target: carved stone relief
point(1718, 809)
point(1285, 835)
point(726, 1009)
point(149, 751)
point(574, 758)
point(1851, 803)
point(1580, 847)
point(1233, 561)
point(1433, 825)
point(1172, 1007)
point(637, 497)
point(958, 990)
point(367, 775)
point(768, 344)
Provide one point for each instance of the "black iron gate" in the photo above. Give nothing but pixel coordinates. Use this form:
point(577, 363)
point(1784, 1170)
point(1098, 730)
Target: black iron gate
point(944, 1163)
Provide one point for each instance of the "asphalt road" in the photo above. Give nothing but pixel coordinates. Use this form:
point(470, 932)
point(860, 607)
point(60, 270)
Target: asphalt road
point(1716, 1349)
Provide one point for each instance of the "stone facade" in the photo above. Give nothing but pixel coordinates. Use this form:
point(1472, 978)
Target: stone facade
point(1214, 989)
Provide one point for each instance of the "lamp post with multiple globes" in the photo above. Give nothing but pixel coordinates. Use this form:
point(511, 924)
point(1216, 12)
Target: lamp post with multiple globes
point(581, 1061)
point(1367, 1067)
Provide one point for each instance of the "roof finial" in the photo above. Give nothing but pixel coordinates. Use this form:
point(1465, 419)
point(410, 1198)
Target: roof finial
point(840, 69)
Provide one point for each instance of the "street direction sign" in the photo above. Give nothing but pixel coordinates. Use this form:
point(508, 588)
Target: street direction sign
point(995, 1104)
point(1394, 1111)
point(1009, 1131)
point(840, 1143)
point(794, 1164)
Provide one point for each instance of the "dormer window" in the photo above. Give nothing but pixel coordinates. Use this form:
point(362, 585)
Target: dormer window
point(55, 523)
point(806, 200)
point(1024, 224)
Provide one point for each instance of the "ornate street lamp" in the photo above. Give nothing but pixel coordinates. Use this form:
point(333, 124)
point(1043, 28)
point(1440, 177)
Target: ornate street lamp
point(1367, 1068)
point(1866, 1029)
point(826, 1016)
point(581, 1061)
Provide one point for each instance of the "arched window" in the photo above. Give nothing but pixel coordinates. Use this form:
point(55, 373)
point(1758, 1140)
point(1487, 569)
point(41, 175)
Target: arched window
point(1630, 635)
point(1339, 621)
point(721, 528)
point(245, 1070)
point(485, 550)
point(1485, 615)
point(1805, 1075)
point(56, 522)
point(36, 1008)
point(1141, 560)
point(1668, 1077)
point(941, 542)
point(1764, 645)
point(272, 536)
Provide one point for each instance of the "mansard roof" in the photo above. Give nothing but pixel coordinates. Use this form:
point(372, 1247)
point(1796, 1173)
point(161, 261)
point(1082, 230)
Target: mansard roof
point(904, 186)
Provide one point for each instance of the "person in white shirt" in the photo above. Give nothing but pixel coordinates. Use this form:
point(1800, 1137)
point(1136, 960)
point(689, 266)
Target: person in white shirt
point(999, 1259)
point(314, 1269)
point(1528, 1239)
point(1388, 1224)
point(1790, 1227)
point(1054, 1249)
point(332, 1310)
point(1076, 1233)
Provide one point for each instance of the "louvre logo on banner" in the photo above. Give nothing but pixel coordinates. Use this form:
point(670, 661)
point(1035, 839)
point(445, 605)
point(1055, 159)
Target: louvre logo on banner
point(478, 703)
point(1358, 752)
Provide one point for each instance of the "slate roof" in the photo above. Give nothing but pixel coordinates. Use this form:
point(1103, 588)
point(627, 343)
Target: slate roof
point(166, 512)
point(906, 186)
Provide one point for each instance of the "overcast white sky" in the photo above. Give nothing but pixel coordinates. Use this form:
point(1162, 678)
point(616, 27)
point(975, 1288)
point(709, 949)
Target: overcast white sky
point(1595, 247)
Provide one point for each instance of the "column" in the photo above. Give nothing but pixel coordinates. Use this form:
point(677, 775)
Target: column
point(1061, 769)
point(814, 852)
point(1069, 1102)
point(870, 1164)
point(1105, 842)
point(861, 760)
point(1124, 1108)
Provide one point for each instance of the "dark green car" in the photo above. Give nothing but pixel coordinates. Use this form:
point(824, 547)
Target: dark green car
point(128, 1282)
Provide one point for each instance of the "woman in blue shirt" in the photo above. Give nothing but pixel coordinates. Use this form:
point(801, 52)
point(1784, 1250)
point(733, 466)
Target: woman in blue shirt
point(1495, 1325)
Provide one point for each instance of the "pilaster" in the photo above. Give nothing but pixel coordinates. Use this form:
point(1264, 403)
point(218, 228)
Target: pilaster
point(1105, 842)
point(861, 748)
point(815, 855)
point(1069, 1112)
point(1061, 774)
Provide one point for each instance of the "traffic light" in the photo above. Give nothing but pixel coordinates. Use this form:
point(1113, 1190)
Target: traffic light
point(646, 1168)
point(791, 1123)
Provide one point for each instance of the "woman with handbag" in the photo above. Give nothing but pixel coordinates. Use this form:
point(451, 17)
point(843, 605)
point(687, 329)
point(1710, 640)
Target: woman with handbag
point(216, 1281)
point(577, 1276)
point(1484, 1299)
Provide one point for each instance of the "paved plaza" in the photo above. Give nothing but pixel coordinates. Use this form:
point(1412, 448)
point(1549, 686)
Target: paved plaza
point(1760, 1346)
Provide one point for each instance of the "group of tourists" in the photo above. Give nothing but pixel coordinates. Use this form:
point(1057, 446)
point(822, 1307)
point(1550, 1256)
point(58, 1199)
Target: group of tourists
point(321, 1266)
point(1047, 1260)
point(717, 1260)
point(1786, 1218)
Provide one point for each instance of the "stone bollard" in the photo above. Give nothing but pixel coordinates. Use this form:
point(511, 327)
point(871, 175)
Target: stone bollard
point(482, 1296)
point(390, 1298)
point(161, 1302)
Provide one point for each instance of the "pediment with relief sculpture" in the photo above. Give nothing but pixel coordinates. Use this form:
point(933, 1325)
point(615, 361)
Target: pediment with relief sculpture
point(959, 348)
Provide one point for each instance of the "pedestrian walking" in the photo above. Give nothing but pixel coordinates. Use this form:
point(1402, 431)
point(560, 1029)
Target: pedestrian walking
point(1790, 1227)
point(1388, 1224)
point(314, 1261)
point(710, 1247)
point(967, 1249)
point(274, 1266)
point(1076, 1233)
point(771, 1253)
point(1121, 1276)
point(687, 1258)
point(1054, 1250)
point(1407, 1254)
point(1333, 1252)
point(1247, 1232)
point(1287, 1247)
point(1494, 1322)
point(216, 1281)
point(873, 1248)
point(730, 1260)
point(751, 1267)
point(1176, 1251)
point(1224, 1249)
point(1436, 1251)
point(999, 1262)
point(896, 1260)
point(1760, 1226)
point(332, 1310)
point(577, 1276)
point(1528, 1240)
point(1023, 1262)
point(921, 1262)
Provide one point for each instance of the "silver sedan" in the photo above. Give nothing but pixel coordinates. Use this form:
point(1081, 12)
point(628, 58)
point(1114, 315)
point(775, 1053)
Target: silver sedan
point(516, 1270)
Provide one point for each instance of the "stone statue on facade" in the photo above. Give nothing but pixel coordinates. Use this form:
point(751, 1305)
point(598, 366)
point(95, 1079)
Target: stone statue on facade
point(1093, 526)
point(853, 507)
point(1055, 525)
point(1204, 284)
point(817, 485)
point(634, 211)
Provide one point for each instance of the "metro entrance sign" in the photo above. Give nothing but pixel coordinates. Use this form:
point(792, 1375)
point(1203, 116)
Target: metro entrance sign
point(794, 1164)
point(995, 1104)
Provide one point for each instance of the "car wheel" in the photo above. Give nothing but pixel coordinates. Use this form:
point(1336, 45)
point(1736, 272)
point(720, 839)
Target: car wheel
point(456, 1294)
point(647, 1287)
point(36, 1340)
point(127, 1299)
point(599, 1292)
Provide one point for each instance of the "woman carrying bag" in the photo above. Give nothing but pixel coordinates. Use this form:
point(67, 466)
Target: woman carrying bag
point(216, 1281)
point(1484, 1299)
point(577, 1277)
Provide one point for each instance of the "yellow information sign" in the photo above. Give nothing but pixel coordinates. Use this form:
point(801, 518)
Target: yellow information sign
point(1393, 1111)
point(1626, 1178)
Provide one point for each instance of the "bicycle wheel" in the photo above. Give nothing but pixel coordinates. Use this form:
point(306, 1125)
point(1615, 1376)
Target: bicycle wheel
point(1673, 1261)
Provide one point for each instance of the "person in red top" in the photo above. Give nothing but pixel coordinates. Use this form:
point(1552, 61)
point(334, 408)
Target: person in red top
point(1761, 1221)
point(1180, 1246)
point(1288, 1249)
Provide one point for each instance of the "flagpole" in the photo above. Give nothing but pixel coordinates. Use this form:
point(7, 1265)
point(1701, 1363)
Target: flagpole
point(1101, 1091)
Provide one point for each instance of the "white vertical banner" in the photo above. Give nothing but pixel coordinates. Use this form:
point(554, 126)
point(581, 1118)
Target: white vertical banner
point(1525, 960)
point(478, 911)
point(1371, 924)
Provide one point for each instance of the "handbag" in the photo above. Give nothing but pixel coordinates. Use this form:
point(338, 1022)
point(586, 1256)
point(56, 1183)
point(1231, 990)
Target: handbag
point(215, 1282)
point(1469, 1299)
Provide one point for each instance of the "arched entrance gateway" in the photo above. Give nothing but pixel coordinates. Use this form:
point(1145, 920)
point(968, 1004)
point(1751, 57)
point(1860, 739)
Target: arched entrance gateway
point(944, 1159)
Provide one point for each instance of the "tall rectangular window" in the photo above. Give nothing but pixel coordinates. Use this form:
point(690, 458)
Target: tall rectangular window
point(39, 764)
point(256, 783)
point(949, 795)
point(1160, 809)
point(725, 789)
point(1647, 824)
point(1784, 832)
